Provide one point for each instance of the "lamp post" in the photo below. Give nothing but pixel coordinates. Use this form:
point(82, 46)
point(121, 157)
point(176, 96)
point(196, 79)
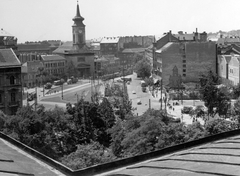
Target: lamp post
point(77, 97)
point(62, 81)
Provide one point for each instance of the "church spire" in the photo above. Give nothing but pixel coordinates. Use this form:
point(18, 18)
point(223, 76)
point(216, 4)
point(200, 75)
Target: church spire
point(78, 17)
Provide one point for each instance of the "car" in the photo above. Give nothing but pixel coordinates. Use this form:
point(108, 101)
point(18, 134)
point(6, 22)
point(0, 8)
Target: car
point(127, 79)
point(187, 109)
point(48, 85)
point(139, 102)
point(144, 89)
point(69, 81)
point(202, 107)
point(31, 96)
point(133, 92)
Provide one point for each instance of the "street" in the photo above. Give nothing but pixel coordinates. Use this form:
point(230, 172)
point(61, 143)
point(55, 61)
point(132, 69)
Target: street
point(148, 101)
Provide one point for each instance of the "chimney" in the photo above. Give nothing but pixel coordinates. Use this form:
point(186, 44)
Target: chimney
point(196, 30)
point(169, 36)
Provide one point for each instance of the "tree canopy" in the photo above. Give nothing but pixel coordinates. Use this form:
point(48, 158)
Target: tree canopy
point(143, 68)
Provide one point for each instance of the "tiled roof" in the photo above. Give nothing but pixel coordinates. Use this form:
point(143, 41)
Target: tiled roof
point(164, 47)
point(8, 58)
point(33, 47)
point(67, 48)
point(52, 58)
point(110, 40)
point(215, 158)
point(15, 162)
point(133, 50)
point(185, 36)
point(4, 33)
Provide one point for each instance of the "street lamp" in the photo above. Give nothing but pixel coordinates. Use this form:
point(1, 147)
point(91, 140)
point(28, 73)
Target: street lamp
point(62, 81)
point(77, 97)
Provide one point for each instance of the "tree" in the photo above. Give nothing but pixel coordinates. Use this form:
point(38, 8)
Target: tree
point(143, 68)
point(87, 155)
point(218, 125)
point(212, 95)
point(71, 70)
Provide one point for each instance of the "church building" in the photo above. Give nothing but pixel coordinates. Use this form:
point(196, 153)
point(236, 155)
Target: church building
point(76, 52)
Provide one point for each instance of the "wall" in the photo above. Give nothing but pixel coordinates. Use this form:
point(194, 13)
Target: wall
point(199, 56)
point(233, 70)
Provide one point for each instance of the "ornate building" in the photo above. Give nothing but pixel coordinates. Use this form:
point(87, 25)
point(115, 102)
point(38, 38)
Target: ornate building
point(10, 82)
point(77, 52)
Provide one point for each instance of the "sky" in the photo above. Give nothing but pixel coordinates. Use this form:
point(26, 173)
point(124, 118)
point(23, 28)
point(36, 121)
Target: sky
point(37, 20)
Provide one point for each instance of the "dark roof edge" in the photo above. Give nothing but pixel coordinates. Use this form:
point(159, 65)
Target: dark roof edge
point(51, 162)
point(107, 167)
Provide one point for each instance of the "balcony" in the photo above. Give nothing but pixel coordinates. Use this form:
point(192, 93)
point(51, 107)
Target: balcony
point(13, 104)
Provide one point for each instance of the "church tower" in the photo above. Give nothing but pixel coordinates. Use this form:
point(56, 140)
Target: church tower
point(78, 30)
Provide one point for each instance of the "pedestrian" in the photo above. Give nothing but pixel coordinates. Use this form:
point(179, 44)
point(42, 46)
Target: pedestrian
point(173, 109)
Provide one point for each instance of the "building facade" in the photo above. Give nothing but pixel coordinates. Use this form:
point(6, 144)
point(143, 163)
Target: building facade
point(10, 82)
point(7, 40)
point(107, 64)
point(228, 69)
point(109, 46)
point(77, 53)
point(191, 54)
point(53, 64)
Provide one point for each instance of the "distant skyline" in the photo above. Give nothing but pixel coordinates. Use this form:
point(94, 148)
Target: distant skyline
point(37, 20)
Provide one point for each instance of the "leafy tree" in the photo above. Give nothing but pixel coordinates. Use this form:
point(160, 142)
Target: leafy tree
point(3, 118)
point(218, 125)
point(213, 96)
point(71, 70)
point(143, 68)
point(236, 91)
point(87, 155)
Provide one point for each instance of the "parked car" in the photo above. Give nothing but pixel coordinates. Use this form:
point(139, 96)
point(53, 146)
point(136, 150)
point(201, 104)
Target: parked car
point(139, 102)
point(48, 85)
point(69, 81)
point(32, 96)
point(133, 92)
point(57, 82)
point(144, 89)
point(187, 109)
point(127, 79)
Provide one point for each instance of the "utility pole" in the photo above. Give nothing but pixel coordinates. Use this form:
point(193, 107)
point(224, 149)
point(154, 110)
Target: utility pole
point(161, 92)
point(36, 98)
point(149, 103)
point(62, 90)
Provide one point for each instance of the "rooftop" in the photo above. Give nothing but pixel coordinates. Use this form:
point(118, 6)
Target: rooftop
point(110, 40)
point(164, 47)
point(219, 157)
point(52, 58)
point(15, 162)
point(4, 33)
point(133, 50)
point(8, 58)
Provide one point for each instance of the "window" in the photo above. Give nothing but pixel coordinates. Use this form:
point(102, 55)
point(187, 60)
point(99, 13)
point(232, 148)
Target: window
point(184, 61)
point(184, 65)
point(81, 59)
point(12, 80)
point(13, 97)
point(184, 75)
point(1, 98)
point(184, 70)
